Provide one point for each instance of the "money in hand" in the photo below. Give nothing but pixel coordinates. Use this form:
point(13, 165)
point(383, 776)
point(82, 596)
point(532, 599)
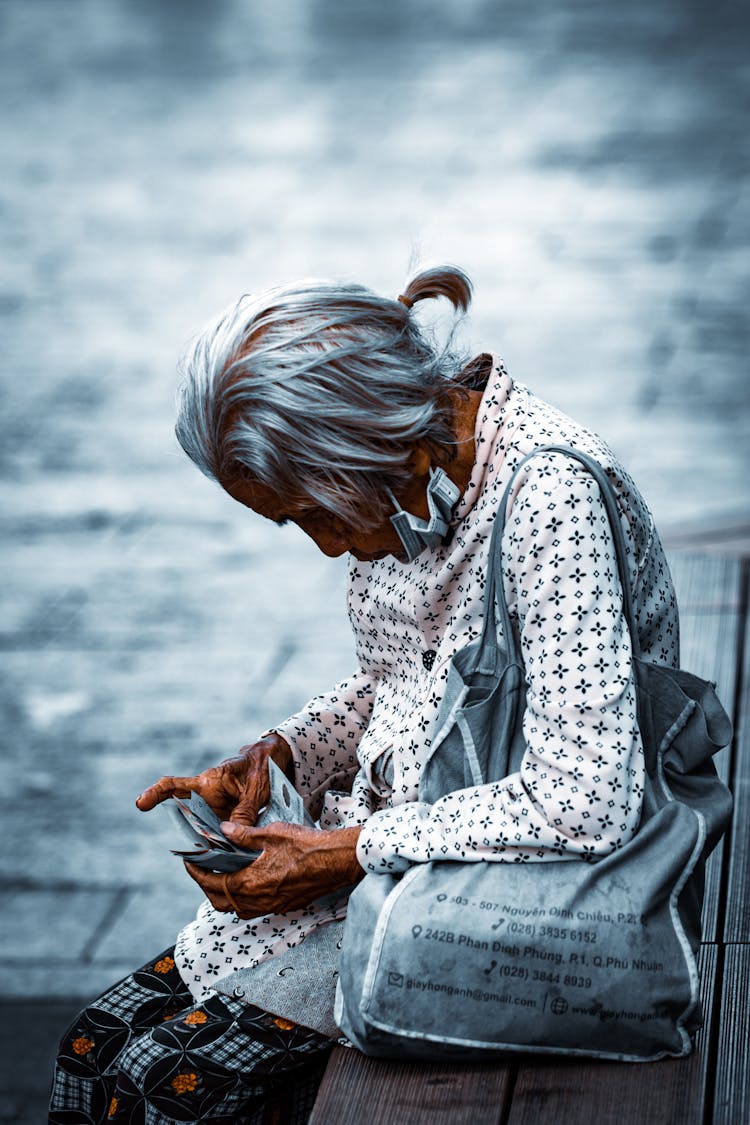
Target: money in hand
point(201, 827)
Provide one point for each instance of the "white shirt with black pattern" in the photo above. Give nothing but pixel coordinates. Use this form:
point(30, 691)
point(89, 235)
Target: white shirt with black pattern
point(359, 748)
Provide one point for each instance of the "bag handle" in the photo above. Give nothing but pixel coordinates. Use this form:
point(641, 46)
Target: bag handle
point(495, 589)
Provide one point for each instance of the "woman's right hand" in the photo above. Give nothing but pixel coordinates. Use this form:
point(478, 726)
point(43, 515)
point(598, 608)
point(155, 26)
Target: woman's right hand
point(236, 788)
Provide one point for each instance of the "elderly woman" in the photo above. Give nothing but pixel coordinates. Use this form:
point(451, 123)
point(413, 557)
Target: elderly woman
point(329, 406)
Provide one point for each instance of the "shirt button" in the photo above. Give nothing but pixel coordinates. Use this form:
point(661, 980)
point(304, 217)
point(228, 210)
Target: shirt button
point(428, 658)
point(238, 992)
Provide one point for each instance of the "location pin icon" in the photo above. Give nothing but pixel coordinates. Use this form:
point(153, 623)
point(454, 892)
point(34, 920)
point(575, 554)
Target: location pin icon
point(416, 931)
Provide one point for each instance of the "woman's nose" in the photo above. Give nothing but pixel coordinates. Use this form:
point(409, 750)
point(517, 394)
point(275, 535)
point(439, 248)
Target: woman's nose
point(330, 545)
point(330, 540)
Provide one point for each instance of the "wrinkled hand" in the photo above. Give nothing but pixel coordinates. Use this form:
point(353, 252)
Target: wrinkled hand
point(237, 787)
point(297, 866)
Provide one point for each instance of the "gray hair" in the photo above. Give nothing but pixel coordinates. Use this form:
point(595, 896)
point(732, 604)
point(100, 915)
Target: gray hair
point(319, 390)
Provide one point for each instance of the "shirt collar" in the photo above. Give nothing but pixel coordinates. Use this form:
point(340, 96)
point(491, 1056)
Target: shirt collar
point(489, 418)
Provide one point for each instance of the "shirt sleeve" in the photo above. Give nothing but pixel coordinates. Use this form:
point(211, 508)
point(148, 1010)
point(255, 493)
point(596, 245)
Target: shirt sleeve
point(325, 734)
point(580, 785)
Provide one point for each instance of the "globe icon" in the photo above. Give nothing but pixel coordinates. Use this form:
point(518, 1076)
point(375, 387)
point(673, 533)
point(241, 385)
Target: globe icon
point(559, 1006)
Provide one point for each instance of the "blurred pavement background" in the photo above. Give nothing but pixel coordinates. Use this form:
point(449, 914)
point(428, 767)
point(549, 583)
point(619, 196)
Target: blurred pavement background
point(585, 162)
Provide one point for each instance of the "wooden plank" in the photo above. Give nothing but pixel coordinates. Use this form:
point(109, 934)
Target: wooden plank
point(705, 583)
point(737, 913)
point(710, 921)
point(726, 535)
point(709, 640)
point(674, 1090)
point(732, 1090)
point(709, 649)
point(384, 1093)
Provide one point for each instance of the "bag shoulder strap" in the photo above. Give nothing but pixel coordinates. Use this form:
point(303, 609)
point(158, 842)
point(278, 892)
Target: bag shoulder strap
point(495, 587)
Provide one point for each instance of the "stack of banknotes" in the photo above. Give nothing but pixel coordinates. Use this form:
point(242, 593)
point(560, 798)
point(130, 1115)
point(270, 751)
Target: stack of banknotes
point(200, 825)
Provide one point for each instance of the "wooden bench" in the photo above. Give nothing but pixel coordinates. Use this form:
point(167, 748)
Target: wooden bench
point(711, 1087)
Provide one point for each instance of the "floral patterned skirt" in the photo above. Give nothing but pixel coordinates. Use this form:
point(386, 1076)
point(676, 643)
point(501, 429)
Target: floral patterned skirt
point(145, 1053)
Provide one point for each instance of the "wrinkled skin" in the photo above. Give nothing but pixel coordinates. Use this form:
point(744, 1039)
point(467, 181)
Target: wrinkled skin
point(237, 788)
point(297, 864)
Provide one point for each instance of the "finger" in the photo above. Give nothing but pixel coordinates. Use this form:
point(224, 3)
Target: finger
point(278, 832)
point(246, 810)
point(256, 792)
point(208, 881)
point(205, 880)
point(163, 789)
point(242, 835)
point(243, 750)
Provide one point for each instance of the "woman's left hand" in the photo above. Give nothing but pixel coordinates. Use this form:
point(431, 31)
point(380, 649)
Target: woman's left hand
point(297, 866)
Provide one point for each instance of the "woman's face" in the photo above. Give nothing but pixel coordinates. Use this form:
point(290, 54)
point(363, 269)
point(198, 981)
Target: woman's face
point(330, 533)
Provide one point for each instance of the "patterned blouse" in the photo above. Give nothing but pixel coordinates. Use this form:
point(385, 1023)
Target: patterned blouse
point(359, 748)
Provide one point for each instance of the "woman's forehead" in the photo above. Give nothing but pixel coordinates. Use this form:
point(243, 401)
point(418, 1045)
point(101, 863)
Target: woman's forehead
point(264, 500)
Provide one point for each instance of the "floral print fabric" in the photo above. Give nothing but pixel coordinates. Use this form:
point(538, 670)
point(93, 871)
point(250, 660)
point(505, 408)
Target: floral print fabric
point(144, 1054)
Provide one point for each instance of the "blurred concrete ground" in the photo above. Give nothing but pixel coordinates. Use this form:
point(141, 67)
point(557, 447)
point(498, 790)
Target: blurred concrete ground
point(585, 162)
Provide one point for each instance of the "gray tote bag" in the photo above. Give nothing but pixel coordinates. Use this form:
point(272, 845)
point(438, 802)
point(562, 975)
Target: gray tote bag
point(464, 960)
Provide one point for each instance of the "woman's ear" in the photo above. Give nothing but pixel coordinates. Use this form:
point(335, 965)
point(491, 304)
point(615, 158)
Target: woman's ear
point(420, 460)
